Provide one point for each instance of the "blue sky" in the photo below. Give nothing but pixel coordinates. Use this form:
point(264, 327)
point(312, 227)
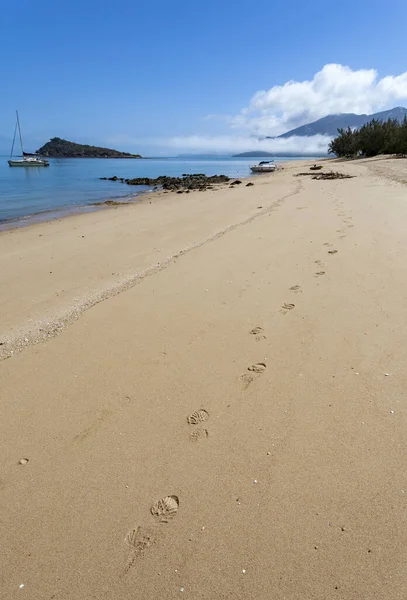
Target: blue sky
point(161, 77)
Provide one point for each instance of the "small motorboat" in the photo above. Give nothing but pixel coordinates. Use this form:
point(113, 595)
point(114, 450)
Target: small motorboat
point(26, 160)
point(265, 166)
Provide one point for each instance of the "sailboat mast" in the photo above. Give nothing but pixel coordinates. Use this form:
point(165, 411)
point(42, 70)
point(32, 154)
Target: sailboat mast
point(19, 131)
point(14, 139)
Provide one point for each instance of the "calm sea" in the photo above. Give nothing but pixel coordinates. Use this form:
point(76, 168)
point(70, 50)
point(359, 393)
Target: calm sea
point(73, 184)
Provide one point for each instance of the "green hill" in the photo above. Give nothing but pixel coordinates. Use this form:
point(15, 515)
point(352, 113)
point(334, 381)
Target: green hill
point(59, 148)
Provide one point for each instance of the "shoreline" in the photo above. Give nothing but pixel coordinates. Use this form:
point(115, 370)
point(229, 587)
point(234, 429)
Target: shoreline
point(65, 212)
point(68, 211)
point(44, 329)
point(111, 202)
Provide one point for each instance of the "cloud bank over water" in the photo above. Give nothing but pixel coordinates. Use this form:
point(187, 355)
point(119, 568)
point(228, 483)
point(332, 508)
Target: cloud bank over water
point(315, 145)
point(233, 144)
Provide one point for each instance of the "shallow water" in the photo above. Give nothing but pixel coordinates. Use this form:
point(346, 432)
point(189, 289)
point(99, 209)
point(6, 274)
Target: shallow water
point(70, 183)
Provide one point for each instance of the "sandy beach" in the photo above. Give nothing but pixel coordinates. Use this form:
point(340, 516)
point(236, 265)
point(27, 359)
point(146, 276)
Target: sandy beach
point(241, 351)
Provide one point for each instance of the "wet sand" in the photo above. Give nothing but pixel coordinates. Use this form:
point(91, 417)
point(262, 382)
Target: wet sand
point(242, 350)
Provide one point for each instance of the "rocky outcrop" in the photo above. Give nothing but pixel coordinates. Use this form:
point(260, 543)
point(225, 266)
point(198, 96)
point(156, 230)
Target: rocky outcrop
point(185, 183)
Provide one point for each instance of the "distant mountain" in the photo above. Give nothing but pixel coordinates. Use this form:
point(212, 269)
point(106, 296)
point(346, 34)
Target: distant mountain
point(59, 148)
point(329, 125)
point(254, 154)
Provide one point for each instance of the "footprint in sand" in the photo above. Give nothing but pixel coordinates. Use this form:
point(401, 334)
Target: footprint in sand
point(257, 368)
point(165, 509)
point(333, 251)
point(296, 288)
point(199, 433)
point(258, 333)
point(196, 418)
point(286, 307)
point(139, 540)
point(319, 273)
point(246, 380)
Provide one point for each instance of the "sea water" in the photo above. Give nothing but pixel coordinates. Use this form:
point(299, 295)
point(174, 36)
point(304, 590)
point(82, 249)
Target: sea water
point(73, 184)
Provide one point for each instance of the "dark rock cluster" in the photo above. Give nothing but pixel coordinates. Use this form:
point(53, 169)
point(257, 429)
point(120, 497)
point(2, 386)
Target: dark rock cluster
point(333, 175)
point(329, 175)
point(182, 184)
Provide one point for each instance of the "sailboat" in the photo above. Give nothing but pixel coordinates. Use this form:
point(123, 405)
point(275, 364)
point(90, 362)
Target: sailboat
point(25, 161)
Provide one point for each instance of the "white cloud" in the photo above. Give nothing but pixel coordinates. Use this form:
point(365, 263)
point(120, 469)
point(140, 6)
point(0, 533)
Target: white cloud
point(219, 144)
point(233, 144)
point(334, 89)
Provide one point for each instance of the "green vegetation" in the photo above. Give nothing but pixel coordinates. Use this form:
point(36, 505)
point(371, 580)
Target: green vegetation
point(59, 148)
point(375, 137)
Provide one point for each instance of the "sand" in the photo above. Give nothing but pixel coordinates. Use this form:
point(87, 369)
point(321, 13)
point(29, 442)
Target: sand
point(229, 307)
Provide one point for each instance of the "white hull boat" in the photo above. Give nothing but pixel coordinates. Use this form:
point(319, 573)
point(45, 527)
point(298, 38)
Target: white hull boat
point(28, 162)
point(25, 161)
point(266, 166)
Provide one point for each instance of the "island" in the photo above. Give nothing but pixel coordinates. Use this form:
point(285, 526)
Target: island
point(59, 148)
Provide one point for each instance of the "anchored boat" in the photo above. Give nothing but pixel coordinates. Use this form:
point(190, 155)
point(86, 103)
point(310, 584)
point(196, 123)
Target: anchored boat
point(25, 161)
point(265, 166)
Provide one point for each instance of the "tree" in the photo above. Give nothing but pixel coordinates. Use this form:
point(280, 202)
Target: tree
point(346, 144)
point(375, 137)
